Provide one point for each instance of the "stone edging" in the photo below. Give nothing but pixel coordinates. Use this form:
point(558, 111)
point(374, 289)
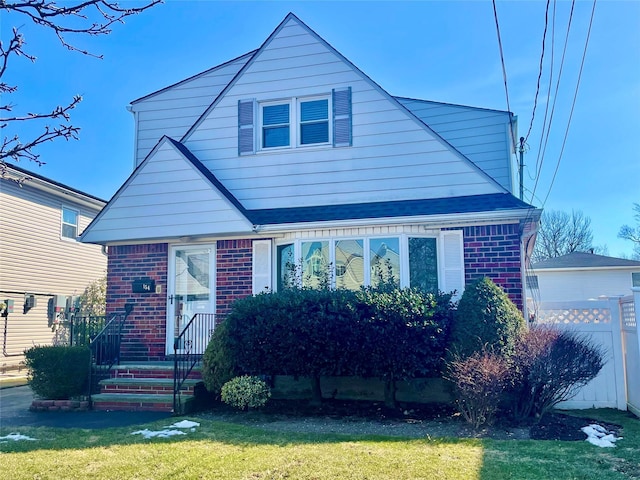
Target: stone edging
point(59, 406)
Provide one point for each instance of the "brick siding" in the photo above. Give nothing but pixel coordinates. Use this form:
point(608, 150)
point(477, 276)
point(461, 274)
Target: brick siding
point(144, 334)
point(233, 272)
point(494, 251)
point(145, 331)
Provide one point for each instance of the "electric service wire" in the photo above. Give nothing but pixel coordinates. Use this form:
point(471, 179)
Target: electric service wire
point(573, 104)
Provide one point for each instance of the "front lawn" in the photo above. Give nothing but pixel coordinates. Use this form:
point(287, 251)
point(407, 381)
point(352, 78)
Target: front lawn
point(220, 450)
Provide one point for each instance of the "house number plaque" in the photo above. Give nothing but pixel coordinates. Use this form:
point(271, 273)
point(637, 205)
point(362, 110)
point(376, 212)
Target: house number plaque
point(143, 285)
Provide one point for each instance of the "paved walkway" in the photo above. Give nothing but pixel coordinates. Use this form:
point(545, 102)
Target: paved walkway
point(14, 412)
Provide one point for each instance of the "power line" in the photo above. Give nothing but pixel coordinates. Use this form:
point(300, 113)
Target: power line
point(544, 39)
point(543, 137)
point(504, 70)
point(573, 104)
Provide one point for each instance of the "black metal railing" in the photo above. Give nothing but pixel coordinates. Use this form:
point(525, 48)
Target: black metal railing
point(188, 349)
point(105, 348)
point(83, 329)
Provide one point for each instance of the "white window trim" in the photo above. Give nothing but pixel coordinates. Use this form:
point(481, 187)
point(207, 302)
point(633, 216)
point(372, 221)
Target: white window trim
point(62, 223)
point(273, 103)
point(403, 247)
point(299, 101)
point(295, 132)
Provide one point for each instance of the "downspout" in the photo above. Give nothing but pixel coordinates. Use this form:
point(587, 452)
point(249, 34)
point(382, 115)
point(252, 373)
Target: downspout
point(135, 135)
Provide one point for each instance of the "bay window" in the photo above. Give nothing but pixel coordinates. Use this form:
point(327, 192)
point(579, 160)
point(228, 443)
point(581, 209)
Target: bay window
point(352, 263)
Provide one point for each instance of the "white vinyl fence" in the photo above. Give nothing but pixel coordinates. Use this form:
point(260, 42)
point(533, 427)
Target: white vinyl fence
point(613, 324)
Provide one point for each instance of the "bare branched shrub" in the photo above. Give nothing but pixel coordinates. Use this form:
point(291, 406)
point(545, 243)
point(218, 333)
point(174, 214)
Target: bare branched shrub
point(480, 381)
point(549, 367)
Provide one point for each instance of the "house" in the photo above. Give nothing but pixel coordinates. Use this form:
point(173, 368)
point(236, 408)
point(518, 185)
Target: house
point(289, 158)
point(40, 257)
point(581, 276)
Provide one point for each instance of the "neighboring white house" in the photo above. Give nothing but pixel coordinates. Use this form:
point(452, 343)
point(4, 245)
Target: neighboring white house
point(40, 257)
point(581, 276)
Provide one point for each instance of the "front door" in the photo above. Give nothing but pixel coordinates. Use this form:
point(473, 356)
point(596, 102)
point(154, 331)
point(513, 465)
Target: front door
point(191, 288)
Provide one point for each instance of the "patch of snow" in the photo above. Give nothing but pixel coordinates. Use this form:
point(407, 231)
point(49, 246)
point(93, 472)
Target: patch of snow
point(184, 424)
point(169, 430)
point(599, 436)
point(15, 437)
point(158, 433)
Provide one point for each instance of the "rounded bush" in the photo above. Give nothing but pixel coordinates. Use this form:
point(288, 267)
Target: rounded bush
point(486, 320)
point(57, 372)
point(246, 392)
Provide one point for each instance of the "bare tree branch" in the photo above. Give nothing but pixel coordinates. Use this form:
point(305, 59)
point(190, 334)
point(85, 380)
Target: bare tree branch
point(628, 232)
point(562, 233)
point(89, 17)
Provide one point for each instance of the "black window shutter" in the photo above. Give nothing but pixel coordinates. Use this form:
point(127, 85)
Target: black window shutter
point(342, 136)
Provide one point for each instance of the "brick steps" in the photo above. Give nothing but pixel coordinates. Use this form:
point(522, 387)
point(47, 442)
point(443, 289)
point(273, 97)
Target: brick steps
point(144, 387)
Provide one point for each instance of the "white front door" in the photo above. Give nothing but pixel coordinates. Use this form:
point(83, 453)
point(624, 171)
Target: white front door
point(191, 287)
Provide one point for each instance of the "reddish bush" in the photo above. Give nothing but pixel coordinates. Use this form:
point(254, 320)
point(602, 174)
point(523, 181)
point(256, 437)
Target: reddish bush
point(549, 366)
point(480, 381)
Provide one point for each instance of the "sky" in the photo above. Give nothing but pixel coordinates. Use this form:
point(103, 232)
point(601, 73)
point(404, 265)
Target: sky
point(444, 51)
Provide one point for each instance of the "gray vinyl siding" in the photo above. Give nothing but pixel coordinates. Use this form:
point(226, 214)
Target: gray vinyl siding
point(167, 197)
point(173, 110)
point(35, 259)
point(393, 157)
point(480, 134)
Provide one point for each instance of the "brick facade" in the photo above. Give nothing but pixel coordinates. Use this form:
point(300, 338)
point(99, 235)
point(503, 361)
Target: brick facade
point(489, 250)
point(145, 331)
point(233, 273)
point(494, 251)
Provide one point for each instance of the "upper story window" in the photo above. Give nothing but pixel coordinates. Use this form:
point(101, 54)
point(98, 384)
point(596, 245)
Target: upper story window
point(297, 122)
point(306, 124)
point(314, 121)
point(69, 223)
point(275, 125)
point(635, 279)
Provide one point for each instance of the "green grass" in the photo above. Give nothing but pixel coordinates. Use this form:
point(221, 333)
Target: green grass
point(229, 451)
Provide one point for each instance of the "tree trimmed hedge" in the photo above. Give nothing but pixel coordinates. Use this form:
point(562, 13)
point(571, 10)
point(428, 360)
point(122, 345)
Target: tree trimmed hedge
point(393, 334)
point(57, 372)
point(486, 320)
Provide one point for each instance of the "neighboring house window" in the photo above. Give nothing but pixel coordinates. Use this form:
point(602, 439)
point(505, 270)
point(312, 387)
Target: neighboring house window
point(69, 223)
point(532, 282)
point(275, 125)
point(341, 262)
point(635, 279)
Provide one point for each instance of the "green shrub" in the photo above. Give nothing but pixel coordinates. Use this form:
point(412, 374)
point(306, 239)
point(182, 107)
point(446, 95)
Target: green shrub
point(486, 319)
point(479, 384)
point(246, 392)
point(389, 333)
point(549, 366)
point(57, 372)
point(403, 334)
point(218, 360)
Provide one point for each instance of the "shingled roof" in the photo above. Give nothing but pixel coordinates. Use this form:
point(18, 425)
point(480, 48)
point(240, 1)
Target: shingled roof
point(584, 260)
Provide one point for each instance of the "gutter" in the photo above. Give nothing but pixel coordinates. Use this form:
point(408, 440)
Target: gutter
point(428, 221)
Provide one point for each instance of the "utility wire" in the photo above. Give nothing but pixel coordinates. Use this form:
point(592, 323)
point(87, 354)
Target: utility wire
point(573, 104)
point(541, 149)
point(504, 72)
point(544, 39)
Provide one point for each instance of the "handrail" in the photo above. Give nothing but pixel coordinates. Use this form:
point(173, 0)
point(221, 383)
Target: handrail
point(105, 348)
point(188, 350)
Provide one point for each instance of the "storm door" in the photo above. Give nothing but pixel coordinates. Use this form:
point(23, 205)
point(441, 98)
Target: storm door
point(191, 289)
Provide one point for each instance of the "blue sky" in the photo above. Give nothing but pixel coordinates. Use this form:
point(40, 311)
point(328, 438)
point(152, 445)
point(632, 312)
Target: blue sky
point(442, 51)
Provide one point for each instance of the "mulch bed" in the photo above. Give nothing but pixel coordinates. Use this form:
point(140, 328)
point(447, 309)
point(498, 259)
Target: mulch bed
point(554, 426)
